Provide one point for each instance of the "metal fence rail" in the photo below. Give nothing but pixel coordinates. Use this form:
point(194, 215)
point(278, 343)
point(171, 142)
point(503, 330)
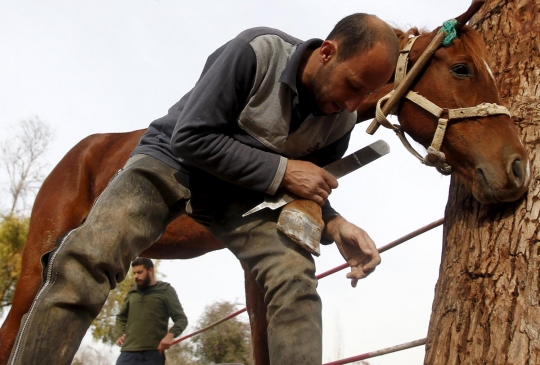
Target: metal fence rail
point(367, 355)
point(387, 247)
point(388, 350)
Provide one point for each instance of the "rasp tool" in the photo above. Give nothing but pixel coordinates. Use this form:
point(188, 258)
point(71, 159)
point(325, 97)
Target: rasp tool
point(337, 169)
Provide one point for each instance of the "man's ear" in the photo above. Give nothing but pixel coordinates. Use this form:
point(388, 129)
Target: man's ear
point(327, 51)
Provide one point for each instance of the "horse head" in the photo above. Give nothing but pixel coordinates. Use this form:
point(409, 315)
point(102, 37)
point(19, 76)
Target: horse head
point(456, 92)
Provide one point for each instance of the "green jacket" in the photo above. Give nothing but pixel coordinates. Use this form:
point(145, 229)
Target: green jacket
point(144, 317)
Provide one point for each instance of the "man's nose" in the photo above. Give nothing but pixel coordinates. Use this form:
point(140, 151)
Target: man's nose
point(353, 103)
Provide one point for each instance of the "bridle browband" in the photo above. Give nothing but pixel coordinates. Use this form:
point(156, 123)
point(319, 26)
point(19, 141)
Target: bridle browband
point(388, 104)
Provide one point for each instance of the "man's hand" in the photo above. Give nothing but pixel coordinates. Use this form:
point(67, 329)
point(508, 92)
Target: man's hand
point(355, 246)
point(121, 339)
point(308, 181)
point(166, 342)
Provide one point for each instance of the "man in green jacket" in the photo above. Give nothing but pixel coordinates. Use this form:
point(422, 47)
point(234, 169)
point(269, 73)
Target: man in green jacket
point(142, 324)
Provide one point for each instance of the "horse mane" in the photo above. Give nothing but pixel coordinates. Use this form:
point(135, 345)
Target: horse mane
point(470, 39)
point(404, 35)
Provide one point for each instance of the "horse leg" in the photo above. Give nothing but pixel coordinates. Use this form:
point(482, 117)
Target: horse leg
point(301, 220)
point(22, 299)
point(256, 310)
point(41, 239)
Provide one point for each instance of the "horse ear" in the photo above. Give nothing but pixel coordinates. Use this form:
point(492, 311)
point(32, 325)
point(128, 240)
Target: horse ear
point(466, 16)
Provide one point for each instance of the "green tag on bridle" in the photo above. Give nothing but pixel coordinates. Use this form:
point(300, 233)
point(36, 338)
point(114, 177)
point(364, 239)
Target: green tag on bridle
point(449, 27)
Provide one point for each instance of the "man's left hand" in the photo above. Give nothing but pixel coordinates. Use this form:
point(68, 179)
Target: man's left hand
point(166, 342)
point(356, 247)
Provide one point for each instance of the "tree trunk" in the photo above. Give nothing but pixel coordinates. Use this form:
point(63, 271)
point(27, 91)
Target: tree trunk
point(486, 307)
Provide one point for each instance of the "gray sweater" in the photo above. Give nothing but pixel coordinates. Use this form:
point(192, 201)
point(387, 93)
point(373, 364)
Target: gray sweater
point(246, 115)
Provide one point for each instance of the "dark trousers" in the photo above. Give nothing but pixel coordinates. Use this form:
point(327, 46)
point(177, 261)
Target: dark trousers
point(130, 215)
point(141, 358)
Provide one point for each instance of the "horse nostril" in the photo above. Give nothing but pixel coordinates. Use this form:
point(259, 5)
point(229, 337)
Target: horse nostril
point(518, 171)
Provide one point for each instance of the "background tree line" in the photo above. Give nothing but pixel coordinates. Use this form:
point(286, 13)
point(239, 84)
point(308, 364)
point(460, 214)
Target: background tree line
point(23, 165)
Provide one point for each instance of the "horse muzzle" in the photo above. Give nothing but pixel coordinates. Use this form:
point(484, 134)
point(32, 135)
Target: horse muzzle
point(494, 185)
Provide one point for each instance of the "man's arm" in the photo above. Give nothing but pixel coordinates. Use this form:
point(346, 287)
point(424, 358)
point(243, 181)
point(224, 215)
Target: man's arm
point(202, 136)
point(176, 312)
point(121, 322)
point(355, 245)
point(323, 157)
point(317, 184)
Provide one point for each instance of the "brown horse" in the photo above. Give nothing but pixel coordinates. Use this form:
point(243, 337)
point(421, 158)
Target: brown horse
point(484, 152)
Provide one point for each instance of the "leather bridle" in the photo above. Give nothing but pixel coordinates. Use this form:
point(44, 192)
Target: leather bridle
point(434, 157)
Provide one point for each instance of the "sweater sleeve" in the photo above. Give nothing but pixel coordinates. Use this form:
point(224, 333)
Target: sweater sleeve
point(176, 312)
point(121, 319)
point(202, 134)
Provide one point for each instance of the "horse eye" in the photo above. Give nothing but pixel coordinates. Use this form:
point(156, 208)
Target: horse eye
point(461, 70)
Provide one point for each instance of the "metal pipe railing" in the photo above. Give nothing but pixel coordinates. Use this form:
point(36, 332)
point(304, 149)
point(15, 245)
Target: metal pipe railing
point(325, 274)
point(389, 246)
point(388, 350)
point(209, 326)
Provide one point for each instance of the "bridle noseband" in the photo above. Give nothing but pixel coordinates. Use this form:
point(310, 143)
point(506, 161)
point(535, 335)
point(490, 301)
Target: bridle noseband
point(435, 157)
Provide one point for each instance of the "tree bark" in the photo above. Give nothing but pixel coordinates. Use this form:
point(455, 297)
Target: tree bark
point(486, 307)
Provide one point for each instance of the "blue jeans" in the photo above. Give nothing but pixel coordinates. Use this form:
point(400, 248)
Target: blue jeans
point(152, 357)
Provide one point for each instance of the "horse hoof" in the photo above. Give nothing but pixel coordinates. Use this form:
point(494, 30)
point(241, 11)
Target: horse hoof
point(304, 228)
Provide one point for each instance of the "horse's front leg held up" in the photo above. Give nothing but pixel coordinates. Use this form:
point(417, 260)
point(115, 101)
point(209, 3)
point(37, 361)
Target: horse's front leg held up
point(301, 220)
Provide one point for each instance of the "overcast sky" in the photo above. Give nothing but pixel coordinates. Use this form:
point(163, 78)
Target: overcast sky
point(112, 66)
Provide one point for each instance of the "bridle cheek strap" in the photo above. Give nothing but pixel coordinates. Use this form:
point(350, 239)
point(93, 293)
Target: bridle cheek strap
point(435, 157)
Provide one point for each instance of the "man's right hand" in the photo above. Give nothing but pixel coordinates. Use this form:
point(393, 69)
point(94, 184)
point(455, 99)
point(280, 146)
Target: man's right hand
point(120, 341)
point(308, 181)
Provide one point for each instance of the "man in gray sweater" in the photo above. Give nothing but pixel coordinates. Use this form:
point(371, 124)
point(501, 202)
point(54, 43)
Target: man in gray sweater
point(267, 112)
point(142, 326)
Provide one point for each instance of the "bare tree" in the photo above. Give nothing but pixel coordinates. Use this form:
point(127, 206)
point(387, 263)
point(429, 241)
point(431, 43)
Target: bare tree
point(182, 353)
point(88, 355)
point(487, 300)
point(230, 342)
point(21, 156)
point(22, 159)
